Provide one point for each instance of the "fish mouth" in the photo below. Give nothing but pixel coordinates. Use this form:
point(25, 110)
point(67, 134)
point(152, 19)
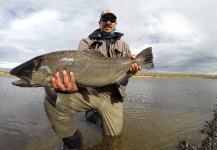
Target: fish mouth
point(22, 82)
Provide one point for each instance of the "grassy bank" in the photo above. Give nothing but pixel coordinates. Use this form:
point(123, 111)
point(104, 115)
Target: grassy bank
point(174, 75)
point(4, 73)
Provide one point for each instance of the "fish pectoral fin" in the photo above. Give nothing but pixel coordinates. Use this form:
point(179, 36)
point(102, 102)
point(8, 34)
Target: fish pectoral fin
point(51, 95)
point(92, 91)
point(123, 80)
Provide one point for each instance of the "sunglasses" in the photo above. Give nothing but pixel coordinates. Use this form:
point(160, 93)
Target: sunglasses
point(105, 19)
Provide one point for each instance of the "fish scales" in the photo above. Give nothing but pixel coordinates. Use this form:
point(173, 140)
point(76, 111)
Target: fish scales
point(89, 70)
point(90, 67)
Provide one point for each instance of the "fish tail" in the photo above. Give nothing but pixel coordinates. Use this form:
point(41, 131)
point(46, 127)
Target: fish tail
point(145, 59)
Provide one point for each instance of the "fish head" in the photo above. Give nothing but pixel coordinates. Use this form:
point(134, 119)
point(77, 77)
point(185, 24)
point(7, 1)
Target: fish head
point(31, 73)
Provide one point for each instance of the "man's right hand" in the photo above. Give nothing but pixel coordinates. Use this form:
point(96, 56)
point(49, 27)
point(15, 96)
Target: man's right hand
point(68, 85)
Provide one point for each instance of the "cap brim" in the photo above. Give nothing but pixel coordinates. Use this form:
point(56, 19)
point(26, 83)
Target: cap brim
point(109, 14)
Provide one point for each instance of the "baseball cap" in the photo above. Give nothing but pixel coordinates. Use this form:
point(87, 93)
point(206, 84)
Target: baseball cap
point(108, 11)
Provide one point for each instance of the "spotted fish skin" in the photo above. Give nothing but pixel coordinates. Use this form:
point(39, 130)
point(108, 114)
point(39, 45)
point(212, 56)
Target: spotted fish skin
point(90, 67)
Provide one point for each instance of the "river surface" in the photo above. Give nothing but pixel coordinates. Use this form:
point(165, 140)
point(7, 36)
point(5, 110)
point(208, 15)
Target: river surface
point(158, 113)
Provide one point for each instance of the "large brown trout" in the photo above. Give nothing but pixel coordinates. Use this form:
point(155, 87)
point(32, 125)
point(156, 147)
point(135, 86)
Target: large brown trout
point(90, 67)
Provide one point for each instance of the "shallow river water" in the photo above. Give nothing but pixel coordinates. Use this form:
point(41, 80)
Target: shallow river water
point(158, 113)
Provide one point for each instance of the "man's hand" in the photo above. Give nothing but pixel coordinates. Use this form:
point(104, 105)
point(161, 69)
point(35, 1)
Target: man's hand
point(68, 85)
point(134, 67)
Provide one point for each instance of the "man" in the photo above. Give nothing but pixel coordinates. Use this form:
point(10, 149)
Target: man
point(71, 98)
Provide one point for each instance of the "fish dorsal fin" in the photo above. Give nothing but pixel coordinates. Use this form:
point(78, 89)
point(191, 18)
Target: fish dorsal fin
point(94, 52)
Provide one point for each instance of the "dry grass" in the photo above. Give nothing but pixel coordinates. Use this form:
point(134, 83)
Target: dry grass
point(4, 73)
point(174, 75)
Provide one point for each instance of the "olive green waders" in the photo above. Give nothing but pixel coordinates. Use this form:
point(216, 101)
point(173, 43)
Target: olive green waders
point(109, 104)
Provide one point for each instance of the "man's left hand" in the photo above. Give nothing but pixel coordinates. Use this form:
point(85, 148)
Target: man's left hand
point(134, 67)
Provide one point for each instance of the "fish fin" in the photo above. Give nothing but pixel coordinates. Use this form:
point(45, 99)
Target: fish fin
point(121, 84)
point(123, 80)
point(92, 91)
point(120, 90)
point(51, 95)
point(145, 58)
point(94, 52)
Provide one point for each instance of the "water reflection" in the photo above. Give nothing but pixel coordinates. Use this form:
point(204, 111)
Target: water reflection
point(157, 114)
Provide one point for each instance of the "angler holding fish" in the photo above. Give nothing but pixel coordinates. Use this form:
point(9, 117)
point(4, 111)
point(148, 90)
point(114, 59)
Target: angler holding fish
point(92, 79)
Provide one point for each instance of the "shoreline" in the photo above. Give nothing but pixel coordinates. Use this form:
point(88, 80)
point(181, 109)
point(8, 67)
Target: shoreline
point(4, 73)
point(174, 75)
point(209, 142)
point(151, 75)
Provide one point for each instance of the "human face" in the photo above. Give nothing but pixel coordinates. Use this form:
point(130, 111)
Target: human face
point(108, 23)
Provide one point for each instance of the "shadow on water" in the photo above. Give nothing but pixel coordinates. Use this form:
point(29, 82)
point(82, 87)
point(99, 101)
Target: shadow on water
point(157, 114)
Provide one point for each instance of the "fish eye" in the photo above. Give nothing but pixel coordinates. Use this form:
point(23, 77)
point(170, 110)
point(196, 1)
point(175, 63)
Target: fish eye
point(26, 72)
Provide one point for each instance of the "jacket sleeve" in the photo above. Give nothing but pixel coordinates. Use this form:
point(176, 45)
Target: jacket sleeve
point(124, 48)
point(127, 49)
point(121, 85)
point(84, 44)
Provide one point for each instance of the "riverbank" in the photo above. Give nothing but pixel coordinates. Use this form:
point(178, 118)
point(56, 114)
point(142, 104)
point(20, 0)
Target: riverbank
point(174, 75)
point(152, 75)
point(209, 142)
point(4, 73)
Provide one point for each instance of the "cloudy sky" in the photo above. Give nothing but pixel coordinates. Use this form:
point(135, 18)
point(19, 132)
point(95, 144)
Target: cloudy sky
point(182, 33)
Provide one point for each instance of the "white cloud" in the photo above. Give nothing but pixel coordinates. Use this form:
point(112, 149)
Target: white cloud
point(182, 34)
point(7, 65)
point(40, 18)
